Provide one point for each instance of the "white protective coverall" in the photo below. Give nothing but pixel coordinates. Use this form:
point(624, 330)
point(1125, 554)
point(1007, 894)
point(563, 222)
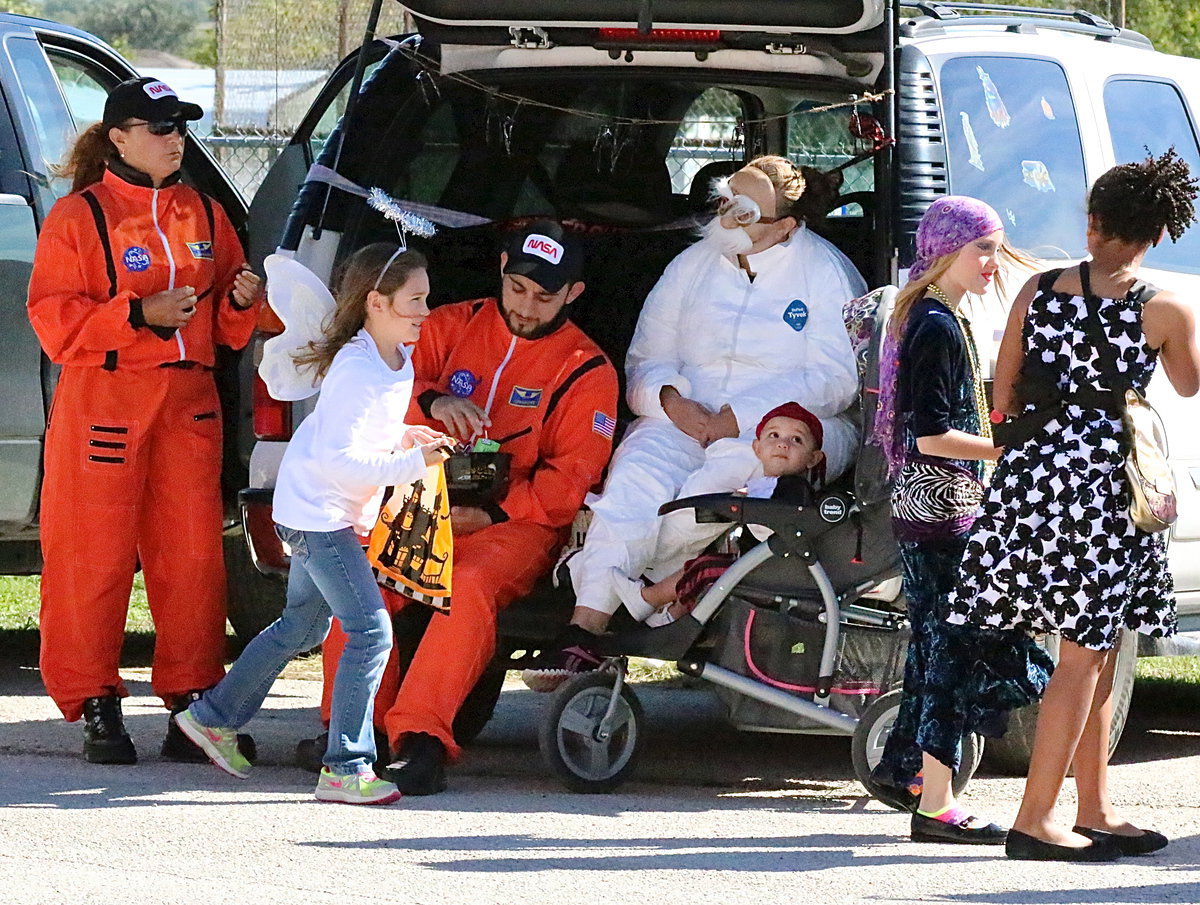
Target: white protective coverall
point(718, 337)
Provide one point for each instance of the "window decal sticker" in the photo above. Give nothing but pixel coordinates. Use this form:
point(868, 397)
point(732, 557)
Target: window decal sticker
point(991, 96)
point(1035, 174)
point(972, 144)
point(1047, 110)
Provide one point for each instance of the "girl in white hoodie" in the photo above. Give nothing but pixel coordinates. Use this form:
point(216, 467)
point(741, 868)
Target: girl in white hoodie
point(328, 493)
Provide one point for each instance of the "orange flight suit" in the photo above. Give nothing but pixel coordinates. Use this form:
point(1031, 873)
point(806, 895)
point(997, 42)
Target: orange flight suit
point(553, 406)
point(133, 448)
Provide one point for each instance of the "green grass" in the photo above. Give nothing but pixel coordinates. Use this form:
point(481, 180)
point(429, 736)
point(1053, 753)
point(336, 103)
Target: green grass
point(19, 622)
point(1173, 681)
point(1167, 683)
point(19, 604)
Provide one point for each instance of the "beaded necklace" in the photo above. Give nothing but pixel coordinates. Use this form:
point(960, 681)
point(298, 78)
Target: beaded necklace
point(982, 409)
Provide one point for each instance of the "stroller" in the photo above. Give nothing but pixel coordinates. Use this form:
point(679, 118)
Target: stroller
point(806, 632)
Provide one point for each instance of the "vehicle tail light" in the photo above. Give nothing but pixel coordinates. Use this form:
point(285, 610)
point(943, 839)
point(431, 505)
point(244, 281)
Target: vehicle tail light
point(267, 551)
point(689, 36)
point(268, 321)
point(272, 418)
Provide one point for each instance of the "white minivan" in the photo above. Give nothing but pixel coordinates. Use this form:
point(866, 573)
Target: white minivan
point(615, 115)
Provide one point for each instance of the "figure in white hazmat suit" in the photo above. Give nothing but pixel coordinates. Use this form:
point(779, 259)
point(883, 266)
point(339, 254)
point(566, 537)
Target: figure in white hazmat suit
point(748, 318)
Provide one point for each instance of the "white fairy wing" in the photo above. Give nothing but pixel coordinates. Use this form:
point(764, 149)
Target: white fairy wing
point(305, 305)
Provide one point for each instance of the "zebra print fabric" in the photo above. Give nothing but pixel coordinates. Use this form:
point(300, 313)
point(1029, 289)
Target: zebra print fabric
point(934, 499)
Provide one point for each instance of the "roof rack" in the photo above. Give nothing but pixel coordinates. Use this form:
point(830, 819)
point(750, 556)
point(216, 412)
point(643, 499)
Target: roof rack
point(938, 16)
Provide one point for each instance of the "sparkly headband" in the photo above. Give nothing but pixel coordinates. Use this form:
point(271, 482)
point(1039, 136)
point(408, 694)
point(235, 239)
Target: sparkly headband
point(395, 254)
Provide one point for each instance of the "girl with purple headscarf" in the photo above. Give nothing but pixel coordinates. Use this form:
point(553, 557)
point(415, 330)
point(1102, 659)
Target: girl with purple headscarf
point(933, 423)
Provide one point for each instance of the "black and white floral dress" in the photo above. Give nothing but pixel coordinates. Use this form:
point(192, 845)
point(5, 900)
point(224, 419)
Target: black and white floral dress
point(1055, 549)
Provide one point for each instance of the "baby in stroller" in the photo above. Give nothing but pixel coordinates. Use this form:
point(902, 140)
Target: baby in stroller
point(787, 443)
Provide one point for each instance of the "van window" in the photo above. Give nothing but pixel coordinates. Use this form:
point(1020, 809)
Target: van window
point(1147, 114)
point(333, 112)
point(706, 135)
point(1012, 140)
point(822, 140)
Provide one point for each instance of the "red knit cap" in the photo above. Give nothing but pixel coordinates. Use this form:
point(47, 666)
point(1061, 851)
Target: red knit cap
point(797, 412)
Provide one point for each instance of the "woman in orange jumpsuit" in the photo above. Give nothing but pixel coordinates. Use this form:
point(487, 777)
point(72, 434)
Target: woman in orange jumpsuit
point(136, 279)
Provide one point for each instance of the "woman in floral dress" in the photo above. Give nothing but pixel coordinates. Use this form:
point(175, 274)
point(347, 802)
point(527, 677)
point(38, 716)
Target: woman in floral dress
point(1055, 549)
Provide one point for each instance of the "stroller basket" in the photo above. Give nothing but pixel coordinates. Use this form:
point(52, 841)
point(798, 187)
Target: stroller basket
point(784, 652)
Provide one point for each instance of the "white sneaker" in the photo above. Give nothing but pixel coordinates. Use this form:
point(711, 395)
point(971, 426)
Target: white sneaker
point(630, 593)
point(660, 618)
point(355, 788)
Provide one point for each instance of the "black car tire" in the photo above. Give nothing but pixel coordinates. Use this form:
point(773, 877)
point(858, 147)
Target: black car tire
point(1010, 754)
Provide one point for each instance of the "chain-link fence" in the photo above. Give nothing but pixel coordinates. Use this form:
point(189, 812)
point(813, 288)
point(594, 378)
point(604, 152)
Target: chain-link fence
point(273, 56)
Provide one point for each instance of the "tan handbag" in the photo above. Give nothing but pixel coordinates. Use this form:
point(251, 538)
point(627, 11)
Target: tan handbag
point(1153, 505)
point(1152, 501)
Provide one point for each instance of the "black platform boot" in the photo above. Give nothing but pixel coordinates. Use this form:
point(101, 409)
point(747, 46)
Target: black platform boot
point(105, 740)
point(179, 748)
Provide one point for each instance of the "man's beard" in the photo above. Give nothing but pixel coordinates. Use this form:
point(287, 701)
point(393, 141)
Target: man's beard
point(731, 242)
point(541, 329)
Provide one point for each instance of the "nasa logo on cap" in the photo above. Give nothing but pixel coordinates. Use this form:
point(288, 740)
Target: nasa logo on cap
point(136, 258)
point(155, 90)
point(544, 247)
point(463, 383)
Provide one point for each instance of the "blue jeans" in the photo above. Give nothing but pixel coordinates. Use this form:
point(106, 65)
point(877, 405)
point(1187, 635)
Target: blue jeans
point(329, 577)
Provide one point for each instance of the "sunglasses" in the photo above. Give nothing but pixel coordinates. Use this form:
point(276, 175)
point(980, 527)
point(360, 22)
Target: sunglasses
point(162, 127)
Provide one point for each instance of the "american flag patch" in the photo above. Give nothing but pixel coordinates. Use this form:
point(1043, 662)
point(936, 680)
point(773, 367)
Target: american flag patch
point(603, 424)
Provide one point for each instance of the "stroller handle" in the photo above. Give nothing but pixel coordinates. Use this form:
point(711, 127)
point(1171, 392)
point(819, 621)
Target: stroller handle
point(710, 507)
point(827, 510)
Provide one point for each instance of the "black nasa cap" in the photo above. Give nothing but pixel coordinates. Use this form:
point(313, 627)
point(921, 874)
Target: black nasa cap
point(149, 99)
point(545, 253)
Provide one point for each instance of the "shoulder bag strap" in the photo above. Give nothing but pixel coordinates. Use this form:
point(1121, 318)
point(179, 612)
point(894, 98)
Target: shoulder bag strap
point(1093, 328)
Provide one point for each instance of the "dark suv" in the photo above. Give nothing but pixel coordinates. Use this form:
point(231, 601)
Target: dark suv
point(53, 82)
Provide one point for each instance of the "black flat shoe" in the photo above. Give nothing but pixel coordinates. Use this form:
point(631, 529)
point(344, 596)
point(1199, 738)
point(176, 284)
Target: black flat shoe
point(1144, 844)
point(901, 798)
point(966, 832)
point(1023, 847)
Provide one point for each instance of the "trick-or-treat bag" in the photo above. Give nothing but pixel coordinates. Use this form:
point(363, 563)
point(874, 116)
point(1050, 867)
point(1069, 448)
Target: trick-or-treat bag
point(412, 546)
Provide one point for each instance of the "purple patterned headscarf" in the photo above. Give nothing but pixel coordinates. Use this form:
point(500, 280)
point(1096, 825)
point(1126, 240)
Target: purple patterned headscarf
point(949, 223)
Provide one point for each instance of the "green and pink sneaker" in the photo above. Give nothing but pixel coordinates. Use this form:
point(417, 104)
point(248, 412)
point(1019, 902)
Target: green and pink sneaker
point(221, 745)
point(355, 788)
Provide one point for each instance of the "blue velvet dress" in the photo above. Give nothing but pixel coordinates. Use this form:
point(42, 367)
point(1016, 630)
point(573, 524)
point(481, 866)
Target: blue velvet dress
point(957, 679)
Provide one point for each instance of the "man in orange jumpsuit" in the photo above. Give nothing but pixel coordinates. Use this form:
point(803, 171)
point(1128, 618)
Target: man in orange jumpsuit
point(136, 279)
point(517, 371)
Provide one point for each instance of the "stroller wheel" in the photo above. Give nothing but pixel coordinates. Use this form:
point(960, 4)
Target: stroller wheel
point(866, 750)
point(586, 755)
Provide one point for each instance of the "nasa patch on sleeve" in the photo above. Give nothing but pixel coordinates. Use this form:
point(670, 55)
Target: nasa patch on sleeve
point(463, 383)
point(136, 258)
point(796, 315)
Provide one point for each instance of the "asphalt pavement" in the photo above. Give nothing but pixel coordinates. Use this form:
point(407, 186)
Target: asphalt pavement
point(711, 816)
